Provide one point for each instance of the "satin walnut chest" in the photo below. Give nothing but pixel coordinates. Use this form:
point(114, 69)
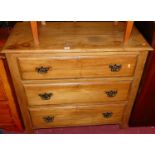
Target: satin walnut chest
point(80, 74)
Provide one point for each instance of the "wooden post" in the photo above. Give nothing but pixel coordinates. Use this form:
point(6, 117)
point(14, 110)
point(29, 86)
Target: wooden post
point(128, 31)
point(34, 29)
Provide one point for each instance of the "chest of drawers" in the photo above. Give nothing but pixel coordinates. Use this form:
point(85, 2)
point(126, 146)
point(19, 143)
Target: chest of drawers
point(80, 74)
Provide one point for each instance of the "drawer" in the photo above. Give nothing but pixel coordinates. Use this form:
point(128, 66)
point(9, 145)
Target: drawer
point(4, 105)
point(6, 118)
point(5, 115)
point(57, 116)
point(2, 92)
point(4, 108)
point(41, 67)
point(77, 92)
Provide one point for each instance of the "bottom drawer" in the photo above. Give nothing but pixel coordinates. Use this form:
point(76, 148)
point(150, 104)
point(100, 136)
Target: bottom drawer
point(6, 118)
point(59, 116)
point(5, 115)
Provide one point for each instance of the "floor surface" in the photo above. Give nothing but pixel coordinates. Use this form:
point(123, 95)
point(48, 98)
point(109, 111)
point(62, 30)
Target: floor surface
point(102, 129)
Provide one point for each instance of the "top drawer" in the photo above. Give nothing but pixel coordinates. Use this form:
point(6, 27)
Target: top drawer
point(59, 67)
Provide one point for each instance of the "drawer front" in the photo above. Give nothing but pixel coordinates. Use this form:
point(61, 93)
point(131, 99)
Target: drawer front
point(2, 92)
point(76, 66)
point(5, 115)
point(6, 119)
point(82, 92)
point(73, 116)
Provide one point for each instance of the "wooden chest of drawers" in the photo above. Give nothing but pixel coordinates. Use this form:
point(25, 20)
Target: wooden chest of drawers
point(80, 74)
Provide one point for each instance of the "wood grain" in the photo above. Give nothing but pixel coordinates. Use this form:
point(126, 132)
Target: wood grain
point(6, 118)
point(66, 66)
point(77, 92)
point(128, 31)
point(73, 116)
point(2, 91)
point(35, 34)
point(78, 55)
point(135, 85)
point(9, 97)
point(75, 37)
point(19, 91)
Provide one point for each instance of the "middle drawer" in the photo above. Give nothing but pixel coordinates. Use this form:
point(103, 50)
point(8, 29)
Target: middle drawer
point(77, 92)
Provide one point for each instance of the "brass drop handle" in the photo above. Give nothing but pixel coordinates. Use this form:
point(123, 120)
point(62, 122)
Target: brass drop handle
point(42, 70)
point(48, 119)
point(46, 96)
point(111, 93)
point(115, 67)
point(107, 114)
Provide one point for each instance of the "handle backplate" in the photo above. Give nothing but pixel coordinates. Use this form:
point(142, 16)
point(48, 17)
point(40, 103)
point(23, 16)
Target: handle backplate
point(42, 70)
point(111, 93)
point(48, 119)
point(46, 96)
point(115, 67)
point(107, 114)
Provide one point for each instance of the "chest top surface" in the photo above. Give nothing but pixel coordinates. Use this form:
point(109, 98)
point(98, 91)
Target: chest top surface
point(74, 37)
